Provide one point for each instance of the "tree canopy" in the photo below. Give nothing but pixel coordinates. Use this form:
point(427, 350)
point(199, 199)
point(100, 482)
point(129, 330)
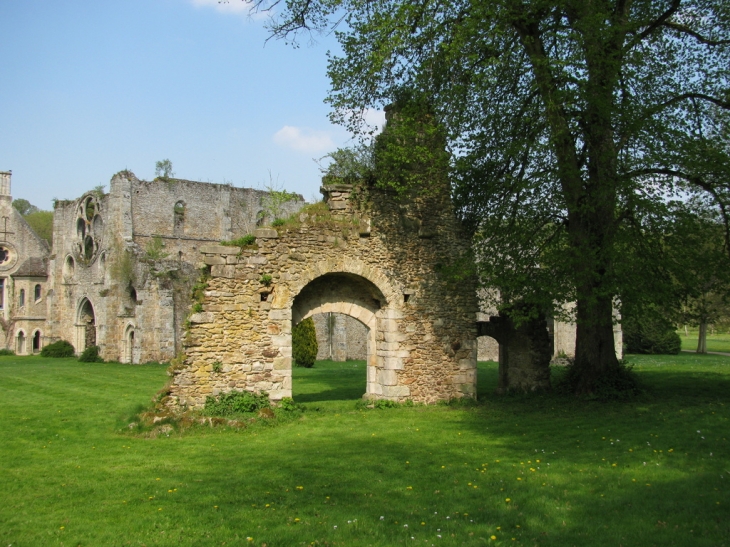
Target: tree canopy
point(575, 129)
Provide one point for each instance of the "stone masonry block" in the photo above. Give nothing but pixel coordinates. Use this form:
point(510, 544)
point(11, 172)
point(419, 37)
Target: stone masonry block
point(393, 363)
point(219, 250)
point(202, 317)
point(396, 391)
point(282, 363)
point(280, 314)
point(212, 260)
point(281, 341)
point(388, 377)
point(266, 233)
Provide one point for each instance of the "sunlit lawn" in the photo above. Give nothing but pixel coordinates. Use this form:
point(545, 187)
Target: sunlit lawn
point(715, 342)
point(539, 469)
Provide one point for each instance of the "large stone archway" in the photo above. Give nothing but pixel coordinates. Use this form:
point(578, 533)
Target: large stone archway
point(355, 296)
point(85, 325)
point(381, 265)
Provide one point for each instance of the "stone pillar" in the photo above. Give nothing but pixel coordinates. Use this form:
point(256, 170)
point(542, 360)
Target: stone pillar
point(524, 352)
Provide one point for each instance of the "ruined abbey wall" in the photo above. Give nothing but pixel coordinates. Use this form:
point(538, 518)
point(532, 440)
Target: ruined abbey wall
point(340, 337)
point(124, 262)
point(377, 258)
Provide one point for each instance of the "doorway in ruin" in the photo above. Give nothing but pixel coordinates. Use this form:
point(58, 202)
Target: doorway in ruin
point(130, 350)
point(85, 326)
point(342, 305)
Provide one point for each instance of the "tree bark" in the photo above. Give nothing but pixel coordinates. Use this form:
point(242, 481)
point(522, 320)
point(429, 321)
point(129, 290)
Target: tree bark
point(595, 351)
point(702, 338)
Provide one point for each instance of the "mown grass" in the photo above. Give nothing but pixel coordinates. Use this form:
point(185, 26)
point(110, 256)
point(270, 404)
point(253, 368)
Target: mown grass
point(715, 342)
point(540, 469)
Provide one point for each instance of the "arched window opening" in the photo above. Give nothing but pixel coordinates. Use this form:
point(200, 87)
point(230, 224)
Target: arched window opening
point(129, 352)
point(179, 218)
point(37, 292)
point(37, 341)
point(69, 267)
point(21, 298)
point(85, 326)
point(20, 346)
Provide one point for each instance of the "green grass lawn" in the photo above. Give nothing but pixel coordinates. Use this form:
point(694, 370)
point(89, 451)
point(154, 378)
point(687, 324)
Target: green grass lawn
point(514, 470)
point(715, 342)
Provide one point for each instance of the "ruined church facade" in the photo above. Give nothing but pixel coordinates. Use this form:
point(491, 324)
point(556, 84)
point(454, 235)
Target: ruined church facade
point(122, 266)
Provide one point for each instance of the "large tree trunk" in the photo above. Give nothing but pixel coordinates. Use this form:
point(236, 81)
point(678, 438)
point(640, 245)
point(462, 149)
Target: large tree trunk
point(702, 338)
point(595, 351)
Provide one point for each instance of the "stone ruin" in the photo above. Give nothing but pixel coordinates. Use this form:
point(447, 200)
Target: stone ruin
point(368, 255)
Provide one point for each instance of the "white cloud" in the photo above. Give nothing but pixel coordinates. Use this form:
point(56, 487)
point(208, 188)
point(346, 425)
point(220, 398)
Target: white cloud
point(236, 7)
point(304, 139)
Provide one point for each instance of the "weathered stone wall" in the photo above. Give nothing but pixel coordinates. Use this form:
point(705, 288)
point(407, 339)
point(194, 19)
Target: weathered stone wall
point(340, 337)
point(105, 265)
point(378, 261)
point(23, 267)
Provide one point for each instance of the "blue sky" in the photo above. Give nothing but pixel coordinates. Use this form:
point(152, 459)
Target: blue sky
point(90, 88)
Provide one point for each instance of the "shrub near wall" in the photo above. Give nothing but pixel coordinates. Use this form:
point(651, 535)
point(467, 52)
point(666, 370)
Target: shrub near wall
point(58, 349)
point(304, 343)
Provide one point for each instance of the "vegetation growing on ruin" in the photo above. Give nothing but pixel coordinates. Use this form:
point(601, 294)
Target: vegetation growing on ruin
point(122, 269)
point(273, 203)
point(319, 215)
point(236, 402)
point(245, 242)
point(155, 249)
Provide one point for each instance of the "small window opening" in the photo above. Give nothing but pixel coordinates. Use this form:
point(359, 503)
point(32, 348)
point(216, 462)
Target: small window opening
point(406, 297)
point(88, 247)
point(22, 297)
point(179, 218)
point(37, 292)
point(264, 296)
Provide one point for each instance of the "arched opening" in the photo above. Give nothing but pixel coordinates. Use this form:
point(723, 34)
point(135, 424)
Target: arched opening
point(37, 294)
point(69, 267)
point(85, 326)
point(341, 304)
point(488, 365)
point(129, 352)
point(20, 344)
point(36, 341)
point(179, 219)
point(21, 298)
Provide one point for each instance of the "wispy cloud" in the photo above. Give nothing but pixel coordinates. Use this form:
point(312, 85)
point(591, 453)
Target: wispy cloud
point(304, 139)
point(235, 7)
